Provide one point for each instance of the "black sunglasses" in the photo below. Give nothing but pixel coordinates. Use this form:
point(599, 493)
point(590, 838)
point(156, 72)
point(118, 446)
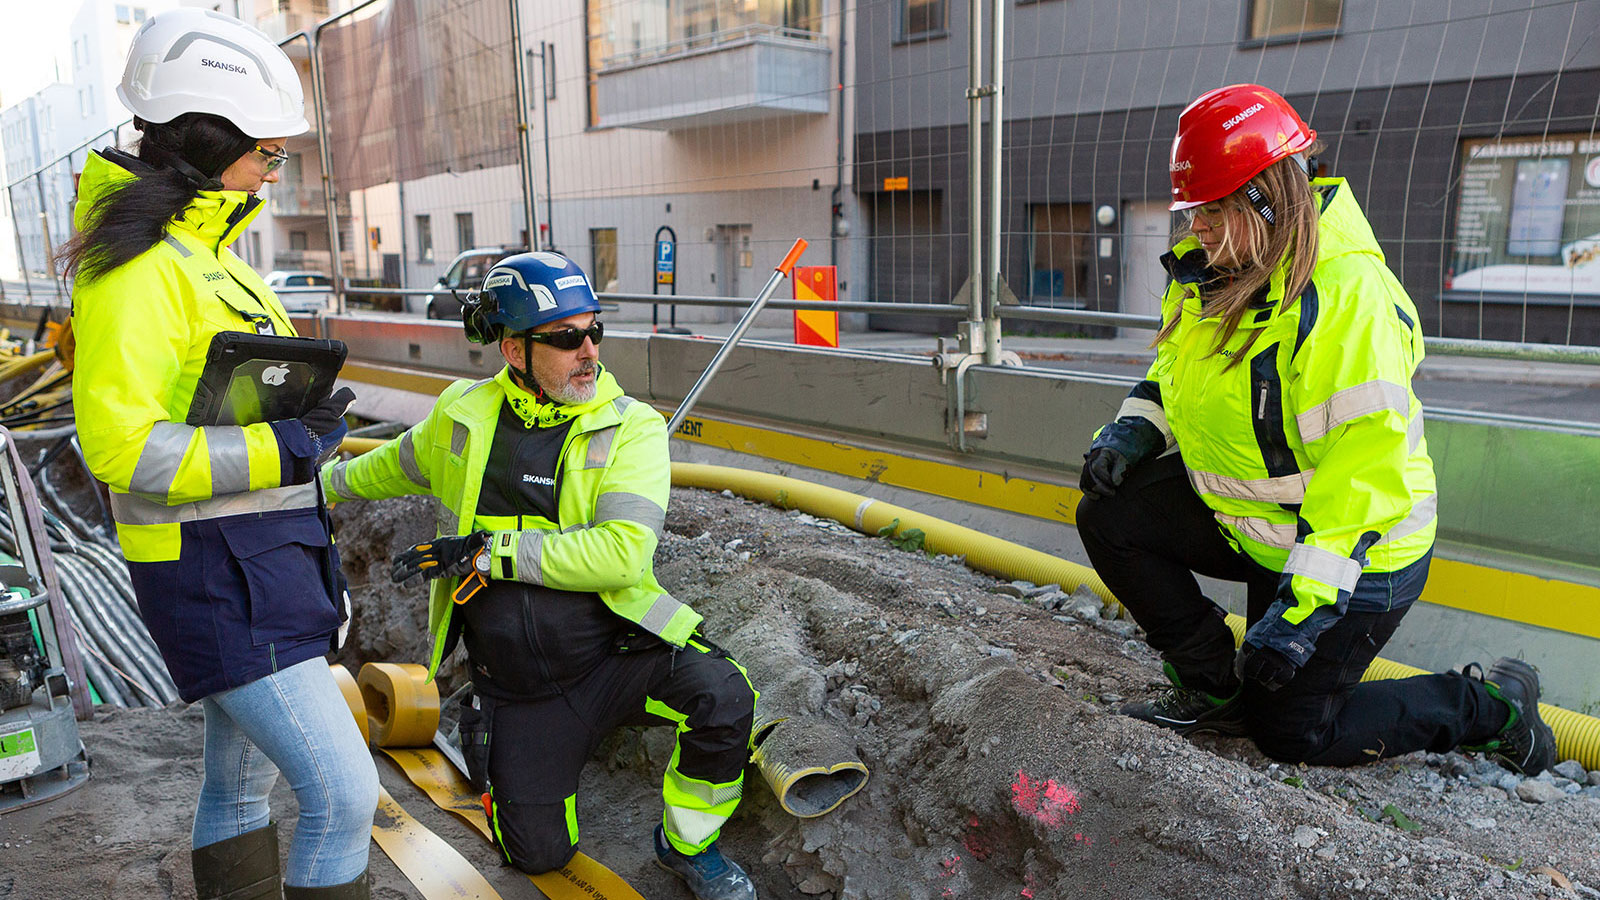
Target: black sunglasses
point(568, 338)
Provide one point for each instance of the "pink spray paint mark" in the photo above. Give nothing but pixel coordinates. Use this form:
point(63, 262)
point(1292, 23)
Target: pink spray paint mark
point(1043, 799)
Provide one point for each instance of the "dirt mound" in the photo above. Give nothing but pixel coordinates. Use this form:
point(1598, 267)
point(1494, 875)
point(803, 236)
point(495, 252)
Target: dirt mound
point(985, 711)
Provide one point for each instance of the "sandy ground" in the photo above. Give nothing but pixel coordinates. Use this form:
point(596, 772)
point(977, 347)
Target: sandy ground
point(1000, 767)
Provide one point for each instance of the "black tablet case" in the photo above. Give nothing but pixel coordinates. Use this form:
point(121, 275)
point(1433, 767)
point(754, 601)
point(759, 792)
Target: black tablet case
point(252, 378)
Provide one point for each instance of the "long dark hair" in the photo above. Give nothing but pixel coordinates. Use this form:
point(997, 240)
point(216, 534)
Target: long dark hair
point(175, 161)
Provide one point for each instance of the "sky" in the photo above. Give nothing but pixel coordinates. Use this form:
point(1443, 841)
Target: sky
point(36, 40)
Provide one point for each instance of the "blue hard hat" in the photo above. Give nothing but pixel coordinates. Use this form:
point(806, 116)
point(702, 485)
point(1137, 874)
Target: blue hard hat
point(525, 291)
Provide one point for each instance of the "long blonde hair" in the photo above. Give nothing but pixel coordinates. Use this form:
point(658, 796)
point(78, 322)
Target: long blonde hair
point(1258, 247)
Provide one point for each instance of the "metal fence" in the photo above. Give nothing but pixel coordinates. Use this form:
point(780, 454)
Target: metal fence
point(1470, 133)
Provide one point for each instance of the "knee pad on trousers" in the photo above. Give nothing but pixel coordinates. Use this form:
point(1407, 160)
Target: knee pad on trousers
point(534, 837)
point(544, 856)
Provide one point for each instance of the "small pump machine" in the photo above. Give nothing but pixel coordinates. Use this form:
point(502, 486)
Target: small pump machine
point(42, 686)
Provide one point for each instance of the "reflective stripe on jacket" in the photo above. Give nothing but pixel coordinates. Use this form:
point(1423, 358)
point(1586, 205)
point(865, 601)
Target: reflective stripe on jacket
point(615, 479)
point(143, 331)
point(1309, 449)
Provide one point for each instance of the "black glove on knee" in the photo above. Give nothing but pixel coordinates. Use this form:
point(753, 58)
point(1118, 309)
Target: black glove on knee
point(1263, 665)
point(1119, 447)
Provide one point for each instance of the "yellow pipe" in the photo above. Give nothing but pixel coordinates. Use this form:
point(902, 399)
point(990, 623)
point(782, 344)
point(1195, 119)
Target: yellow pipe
point(1577, 735)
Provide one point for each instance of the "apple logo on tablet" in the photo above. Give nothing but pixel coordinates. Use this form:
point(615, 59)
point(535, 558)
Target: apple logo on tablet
point(274, 375)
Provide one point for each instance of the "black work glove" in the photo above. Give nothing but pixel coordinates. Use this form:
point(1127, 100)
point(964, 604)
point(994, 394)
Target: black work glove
point(1119, 447)
point(443, 557)
point(327, 417)
point(304, 444)
point(1263, 665)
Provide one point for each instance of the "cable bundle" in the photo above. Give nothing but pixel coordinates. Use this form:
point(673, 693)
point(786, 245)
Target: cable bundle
point(119, 657)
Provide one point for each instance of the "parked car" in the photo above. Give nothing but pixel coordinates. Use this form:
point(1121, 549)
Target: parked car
point(298, 299)
point(465, 274)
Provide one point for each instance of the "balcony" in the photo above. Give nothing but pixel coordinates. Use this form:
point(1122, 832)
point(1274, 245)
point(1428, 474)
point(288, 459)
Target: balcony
point(741, 75)
point(295, 200)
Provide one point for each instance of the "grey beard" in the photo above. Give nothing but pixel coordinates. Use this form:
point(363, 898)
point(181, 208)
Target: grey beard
point(571, 394)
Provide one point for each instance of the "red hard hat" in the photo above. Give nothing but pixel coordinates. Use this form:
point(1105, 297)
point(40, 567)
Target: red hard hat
point(1228, 136)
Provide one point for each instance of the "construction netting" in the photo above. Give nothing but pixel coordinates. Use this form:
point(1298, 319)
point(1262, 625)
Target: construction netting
point(723, 129)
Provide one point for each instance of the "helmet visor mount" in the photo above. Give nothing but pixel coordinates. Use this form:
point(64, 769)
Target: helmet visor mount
point(476, 308)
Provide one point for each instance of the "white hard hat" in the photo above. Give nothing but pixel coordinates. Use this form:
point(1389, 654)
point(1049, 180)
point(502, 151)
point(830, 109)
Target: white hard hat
point(197, 61)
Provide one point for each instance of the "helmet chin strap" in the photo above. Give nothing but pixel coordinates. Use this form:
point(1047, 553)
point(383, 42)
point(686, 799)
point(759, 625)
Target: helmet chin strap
point(525, 377)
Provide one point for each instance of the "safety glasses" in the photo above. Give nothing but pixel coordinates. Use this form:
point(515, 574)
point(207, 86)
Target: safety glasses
point(1212, 211)
point(568, 338)
point(275, 158)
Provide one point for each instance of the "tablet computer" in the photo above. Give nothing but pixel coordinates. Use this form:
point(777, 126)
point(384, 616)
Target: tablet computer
point(252, 378)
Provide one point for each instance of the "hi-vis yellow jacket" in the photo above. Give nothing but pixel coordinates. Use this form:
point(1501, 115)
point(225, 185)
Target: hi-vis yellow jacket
point(1309, 450)
point(143, 331)
point(614, 473)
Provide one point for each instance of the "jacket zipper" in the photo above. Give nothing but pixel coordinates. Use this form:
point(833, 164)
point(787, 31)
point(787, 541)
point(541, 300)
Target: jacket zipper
point(530, 622)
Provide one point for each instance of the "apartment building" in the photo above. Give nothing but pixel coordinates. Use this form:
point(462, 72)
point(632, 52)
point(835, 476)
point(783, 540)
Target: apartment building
point(1467, 130)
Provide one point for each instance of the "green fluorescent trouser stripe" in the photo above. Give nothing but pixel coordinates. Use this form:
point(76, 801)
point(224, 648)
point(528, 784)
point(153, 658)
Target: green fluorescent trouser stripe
point(494, 825)
point(572, 819)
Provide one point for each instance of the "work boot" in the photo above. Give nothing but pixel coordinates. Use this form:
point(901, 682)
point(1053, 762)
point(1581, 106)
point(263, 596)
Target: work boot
point(1525, 744)
point(1189, 710)
point(709, 874)
point(239, 868)
point(360, 889)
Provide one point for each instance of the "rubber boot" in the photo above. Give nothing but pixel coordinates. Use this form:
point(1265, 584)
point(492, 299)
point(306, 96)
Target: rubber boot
point(360, 889)
point(239, 868)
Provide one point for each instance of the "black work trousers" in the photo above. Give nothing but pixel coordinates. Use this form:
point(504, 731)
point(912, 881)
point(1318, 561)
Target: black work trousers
point(1146, 543)
point(532, 751)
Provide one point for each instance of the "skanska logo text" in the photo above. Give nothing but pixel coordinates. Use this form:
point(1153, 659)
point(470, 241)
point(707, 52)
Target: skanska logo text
point(224, 66)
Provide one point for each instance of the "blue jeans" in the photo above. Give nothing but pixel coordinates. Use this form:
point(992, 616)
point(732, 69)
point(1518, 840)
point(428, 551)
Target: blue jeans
point(294, 721)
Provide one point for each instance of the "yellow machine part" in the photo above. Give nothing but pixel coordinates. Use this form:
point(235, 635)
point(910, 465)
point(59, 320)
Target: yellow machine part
point(401, 708)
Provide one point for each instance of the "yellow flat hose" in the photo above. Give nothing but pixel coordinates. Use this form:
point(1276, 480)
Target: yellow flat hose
point(403, 709)
point(352, 699)
point(582, 877)
point(432, 866)
point(1577, 735)
point(402, 705)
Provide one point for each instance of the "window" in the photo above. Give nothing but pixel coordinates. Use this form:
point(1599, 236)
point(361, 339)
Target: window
point(124, 15)
point(1060, 251)
point(475, 268)
point(1290, 18)
point(297, 240)
point(920, 18)
point(138, 14)
point(424, 239)
point(464, 237)
point(1528, 216)
point(603, 250)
